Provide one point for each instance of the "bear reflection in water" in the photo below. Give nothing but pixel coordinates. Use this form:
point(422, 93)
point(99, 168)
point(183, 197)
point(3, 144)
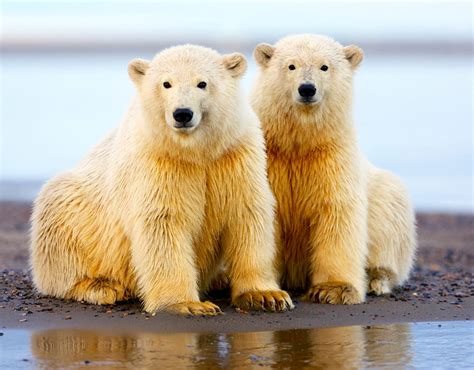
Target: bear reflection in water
point(343, 347)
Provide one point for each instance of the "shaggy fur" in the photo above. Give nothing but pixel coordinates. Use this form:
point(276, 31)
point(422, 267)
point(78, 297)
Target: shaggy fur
point(338, 216)
point(154, 211)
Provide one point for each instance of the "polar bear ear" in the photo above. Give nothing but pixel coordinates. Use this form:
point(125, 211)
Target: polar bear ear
point(263, 53)
point(137, 69)
point(354, 55)
point(235, 63)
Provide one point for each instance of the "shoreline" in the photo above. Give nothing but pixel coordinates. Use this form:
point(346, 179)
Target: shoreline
point(401, 307)
point(441, 288)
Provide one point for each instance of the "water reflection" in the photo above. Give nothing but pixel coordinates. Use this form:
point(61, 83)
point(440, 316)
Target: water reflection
point(344, 347)
point(61, 348)
point(390, 346)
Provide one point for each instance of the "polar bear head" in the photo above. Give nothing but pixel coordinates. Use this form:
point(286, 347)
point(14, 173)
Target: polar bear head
point(189, 93)
point(305, 76)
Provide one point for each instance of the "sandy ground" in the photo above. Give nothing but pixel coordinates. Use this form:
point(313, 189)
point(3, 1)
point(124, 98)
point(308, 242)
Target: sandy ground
point(441, 288)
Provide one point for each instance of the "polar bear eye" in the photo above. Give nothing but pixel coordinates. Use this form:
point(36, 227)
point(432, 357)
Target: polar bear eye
point(324, 67)
point(166, 85)
point(291, 67)
point(202, 85)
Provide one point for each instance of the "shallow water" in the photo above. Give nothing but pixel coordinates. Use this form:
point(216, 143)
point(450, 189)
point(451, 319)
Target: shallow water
point(429, 345)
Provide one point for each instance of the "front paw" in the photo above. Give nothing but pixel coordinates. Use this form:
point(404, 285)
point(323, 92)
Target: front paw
point(333, 293)
point(266, 300)
point(194, 308)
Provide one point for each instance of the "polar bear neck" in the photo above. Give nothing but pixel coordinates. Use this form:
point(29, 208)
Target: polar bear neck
point(297, 132)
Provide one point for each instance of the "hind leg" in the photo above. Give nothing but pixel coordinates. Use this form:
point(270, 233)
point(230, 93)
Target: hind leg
point(64, 240)
point(55, 258)
point(392, 236)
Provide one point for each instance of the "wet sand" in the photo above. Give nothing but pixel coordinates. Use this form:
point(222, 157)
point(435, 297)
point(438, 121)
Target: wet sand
point(441, 289)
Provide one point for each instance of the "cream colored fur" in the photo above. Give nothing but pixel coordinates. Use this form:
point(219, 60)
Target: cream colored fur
point(344, 225)
point(153, 211)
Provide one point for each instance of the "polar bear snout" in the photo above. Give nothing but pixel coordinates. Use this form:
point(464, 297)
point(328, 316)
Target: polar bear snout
point(307, 92)
point(183, 117)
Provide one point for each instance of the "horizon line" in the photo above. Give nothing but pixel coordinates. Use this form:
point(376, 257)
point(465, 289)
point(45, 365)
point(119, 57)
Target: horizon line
point(451, 48)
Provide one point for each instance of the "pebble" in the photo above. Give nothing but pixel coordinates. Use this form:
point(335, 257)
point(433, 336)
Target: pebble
point(434, 280)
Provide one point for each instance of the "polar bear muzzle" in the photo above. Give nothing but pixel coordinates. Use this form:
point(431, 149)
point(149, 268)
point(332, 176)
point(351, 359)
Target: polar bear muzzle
point(307, 92)
point(183, 117)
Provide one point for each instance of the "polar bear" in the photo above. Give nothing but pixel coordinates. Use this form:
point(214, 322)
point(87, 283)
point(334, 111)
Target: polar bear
point(343, 225)
point(178, 190)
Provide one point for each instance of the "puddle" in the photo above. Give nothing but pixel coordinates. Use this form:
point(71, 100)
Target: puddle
point(392, 346)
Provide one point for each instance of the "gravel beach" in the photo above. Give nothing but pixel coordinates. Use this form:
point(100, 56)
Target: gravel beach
point(441, 288)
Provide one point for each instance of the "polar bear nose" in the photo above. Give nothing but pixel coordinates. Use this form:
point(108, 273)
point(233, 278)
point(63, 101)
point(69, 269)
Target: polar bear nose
point(307, 90)
point(183, 115)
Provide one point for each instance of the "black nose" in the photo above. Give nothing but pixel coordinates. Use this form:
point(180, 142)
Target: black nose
point(183, 115)
point(307, 90)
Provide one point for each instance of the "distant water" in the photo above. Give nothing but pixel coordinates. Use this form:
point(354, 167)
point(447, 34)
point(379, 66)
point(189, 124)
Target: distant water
point(434, 345)
point(414, 117)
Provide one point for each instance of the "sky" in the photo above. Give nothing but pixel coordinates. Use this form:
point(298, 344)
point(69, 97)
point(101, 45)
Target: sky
point(64, 83)
point(145, 21)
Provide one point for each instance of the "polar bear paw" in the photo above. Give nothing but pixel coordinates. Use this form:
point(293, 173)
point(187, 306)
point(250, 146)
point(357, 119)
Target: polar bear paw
point(98, 291)
point(381, 280)
point(194, 308)
point(333, 293)
point(220, 282)
point(265, 300)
